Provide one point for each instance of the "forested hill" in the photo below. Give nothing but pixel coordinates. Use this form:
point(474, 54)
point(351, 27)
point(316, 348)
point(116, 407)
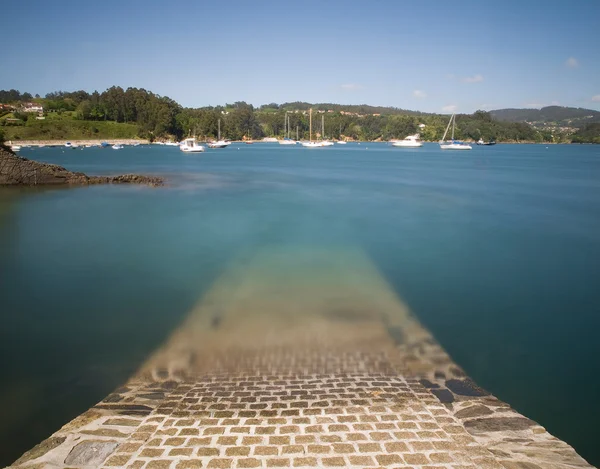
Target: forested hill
point(549, 115)
point(126, 113)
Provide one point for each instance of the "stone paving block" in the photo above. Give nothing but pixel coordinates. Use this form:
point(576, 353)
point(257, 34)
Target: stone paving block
point(220, 463)
point(189, 464)
point(415, 458)
point(266, 450)
point(205, 451)
point(305, 462)
point(387, 460)
point(181, 452)
point(159, 464)
point(333, 462)
point(279, 462)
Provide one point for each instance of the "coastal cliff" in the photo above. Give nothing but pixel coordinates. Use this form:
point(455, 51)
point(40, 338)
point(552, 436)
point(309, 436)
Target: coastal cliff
point(19, 171)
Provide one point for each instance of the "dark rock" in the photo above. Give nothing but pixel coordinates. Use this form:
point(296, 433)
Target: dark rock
point(439, 375)
point(41, 449)
point(498, 424)
point(19, 171)
point(127, 409)
point(428, 384)
point(113, 398)
point(443, 395)
point(152, 395)
point(169, 385)
point(465, 387)
point(122, 422)
point(473, 411)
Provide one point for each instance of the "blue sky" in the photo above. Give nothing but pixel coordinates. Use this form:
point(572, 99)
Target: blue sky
point(434, 56)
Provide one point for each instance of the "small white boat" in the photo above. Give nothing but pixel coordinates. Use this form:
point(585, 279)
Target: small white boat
point(68, 145)
point(453, 144)
point(341, 142)
point(326, 143)
point(15, 147)
point(172, 144)
point(116, 146)
point(190, 145)
point(313, 144)
point(411, 141)
point(219, 143)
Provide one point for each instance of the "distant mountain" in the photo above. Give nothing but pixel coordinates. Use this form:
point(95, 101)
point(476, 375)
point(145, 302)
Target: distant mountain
point(549, 116)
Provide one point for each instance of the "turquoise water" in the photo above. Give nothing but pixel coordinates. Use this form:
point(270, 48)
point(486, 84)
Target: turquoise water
point(497, 251)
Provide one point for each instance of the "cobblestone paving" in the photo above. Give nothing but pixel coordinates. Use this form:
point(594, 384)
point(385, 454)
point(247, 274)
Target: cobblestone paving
point(311, 365)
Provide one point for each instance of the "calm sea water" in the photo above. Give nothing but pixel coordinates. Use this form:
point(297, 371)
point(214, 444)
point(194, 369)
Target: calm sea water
point(497, 251)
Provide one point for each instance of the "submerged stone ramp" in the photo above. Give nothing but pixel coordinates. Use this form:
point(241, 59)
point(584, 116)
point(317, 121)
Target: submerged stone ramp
point(301, 357)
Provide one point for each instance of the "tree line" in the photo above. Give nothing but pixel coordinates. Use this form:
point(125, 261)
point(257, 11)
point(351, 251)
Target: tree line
point(160, 117)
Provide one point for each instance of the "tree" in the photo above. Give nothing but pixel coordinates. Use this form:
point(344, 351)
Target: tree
point(84, 110)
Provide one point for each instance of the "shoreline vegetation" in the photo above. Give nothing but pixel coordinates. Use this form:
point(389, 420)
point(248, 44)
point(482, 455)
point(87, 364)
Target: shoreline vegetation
point(18, 171)
point(135, 113)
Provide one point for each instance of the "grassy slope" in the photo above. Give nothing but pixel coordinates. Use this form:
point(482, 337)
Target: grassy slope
point(56, 127)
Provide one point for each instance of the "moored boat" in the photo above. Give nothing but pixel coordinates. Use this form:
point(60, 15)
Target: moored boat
point(287, 140)
point(190, 145)
point(219, 143)
point(482, 142)
point(116, 146)
point(453, 144)
point(310, 143)
point(411, 141)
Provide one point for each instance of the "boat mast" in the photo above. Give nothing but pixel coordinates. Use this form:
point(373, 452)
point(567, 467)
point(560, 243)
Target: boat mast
point(447, 127)
point(453, 122)
point(322, 127)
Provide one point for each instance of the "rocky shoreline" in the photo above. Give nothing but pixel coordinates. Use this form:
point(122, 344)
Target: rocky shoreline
point(18, 171)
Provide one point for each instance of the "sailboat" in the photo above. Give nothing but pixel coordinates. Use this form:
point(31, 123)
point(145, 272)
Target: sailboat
point(325, 143)
point(310, 143)
point(453, 144)
point(219, 143)
point(287, 140)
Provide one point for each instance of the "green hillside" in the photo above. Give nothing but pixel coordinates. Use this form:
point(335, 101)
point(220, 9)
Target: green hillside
point(550, 115)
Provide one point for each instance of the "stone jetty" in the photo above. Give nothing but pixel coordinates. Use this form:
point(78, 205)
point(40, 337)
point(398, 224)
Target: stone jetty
point(301, 357)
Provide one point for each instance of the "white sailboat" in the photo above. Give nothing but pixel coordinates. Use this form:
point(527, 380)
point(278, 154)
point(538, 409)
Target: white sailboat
point(219, 143)
point(411, 141)
point(190, 145)
point(310, 143)
point(287, 140)
point(325, 143)
point(452, 144)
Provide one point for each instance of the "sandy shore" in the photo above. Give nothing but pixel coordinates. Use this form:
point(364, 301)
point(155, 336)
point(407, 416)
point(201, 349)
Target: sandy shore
point(120, 141)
